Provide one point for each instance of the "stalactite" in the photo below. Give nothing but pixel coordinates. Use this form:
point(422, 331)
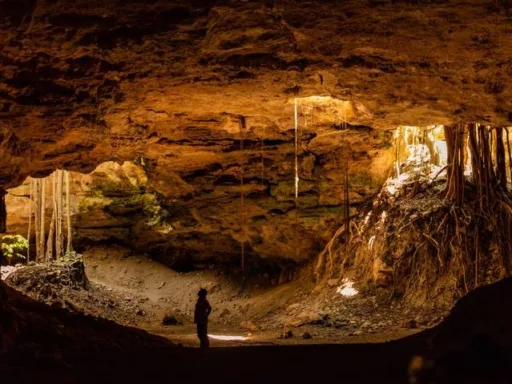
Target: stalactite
point(296, 167)
point(346, 185)
point(296, 149)
point(51, 231)
point(69, 247)
point(37, 216)
point(242, 223)
point(397, 154)
point(59, 238)
point(262, 165)
point(347, 204)
point(43, 209)
point(30, 206)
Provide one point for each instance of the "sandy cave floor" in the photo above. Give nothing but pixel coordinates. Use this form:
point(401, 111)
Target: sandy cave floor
point(135, 291)
point(72, 348)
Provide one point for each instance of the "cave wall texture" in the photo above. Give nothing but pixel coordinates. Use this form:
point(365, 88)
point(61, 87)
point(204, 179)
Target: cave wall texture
point(174, 86)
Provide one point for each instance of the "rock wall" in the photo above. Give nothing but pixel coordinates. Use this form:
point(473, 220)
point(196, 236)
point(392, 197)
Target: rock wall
point(83, 83)
point(194, 215)
point(179, 84)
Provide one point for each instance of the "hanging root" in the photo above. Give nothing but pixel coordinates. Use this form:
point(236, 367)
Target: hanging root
point(462, 241)
point(473, 242)
point(320, 270)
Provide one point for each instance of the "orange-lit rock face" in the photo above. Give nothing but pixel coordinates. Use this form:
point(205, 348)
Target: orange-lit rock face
point(86, 82)
point(196, 214)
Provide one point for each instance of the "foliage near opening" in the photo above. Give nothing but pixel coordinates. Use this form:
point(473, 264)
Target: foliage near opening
point(13, 247)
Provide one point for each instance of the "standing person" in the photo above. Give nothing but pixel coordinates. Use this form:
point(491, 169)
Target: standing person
point(203, 310)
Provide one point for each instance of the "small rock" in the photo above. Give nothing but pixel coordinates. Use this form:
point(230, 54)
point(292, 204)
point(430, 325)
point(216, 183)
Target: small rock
point(333, 282)
point(357, 333)
point(340, 324)
point(171, 320)
point(286, 334)
point(141, 312)
point(307, 336)
point(161, 285)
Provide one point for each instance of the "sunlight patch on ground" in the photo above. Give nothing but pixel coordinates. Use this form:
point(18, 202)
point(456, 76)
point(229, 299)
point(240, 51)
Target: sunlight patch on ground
point(227, 338)
point(347, 288)
point(5, 271)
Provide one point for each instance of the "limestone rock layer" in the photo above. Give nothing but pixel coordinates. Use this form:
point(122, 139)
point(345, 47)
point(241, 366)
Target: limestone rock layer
point(182, 86)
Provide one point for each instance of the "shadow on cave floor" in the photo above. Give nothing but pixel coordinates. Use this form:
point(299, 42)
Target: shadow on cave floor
point(57, 346)
point(359, 363)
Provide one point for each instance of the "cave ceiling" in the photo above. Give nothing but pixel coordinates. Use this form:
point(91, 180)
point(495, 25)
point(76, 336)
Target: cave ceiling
point(79, 78)
point(178, 84)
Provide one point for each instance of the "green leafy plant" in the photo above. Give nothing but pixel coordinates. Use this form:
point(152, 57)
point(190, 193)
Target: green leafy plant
point(13, 245)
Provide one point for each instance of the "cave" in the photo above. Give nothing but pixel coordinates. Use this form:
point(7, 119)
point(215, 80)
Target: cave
point(337, 175)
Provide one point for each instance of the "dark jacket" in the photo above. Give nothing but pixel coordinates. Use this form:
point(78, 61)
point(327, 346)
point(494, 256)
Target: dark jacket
point(203, 310)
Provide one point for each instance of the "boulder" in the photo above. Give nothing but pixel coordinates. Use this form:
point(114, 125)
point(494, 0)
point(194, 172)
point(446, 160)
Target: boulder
point(307, 336)
point(287, 334)
point(171, 320)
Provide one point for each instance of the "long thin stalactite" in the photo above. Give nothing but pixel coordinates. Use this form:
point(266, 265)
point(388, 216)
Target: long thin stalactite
point(242, 208)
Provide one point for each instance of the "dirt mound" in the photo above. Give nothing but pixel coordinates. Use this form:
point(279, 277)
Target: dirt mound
point(332, 314)
point(65, 285)
point(45, 279)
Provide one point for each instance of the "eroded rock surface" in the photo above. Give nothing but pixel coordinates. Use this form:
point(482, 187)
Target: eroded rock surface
point(181, 85)
point(200, 219)
point(85, 83)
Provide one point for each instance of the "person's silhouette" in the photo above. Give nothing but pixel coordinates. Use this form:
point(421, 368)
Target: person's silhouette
point(203, 310)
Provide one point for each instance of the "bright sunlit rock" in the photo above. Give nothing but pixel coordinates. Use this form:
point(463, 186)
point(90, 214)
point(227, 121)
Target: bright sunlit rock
point(347, 288)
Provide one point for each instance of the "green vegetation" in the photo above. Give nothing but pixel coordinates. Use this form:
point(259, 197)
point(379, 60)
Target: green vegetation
point(12, 246)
